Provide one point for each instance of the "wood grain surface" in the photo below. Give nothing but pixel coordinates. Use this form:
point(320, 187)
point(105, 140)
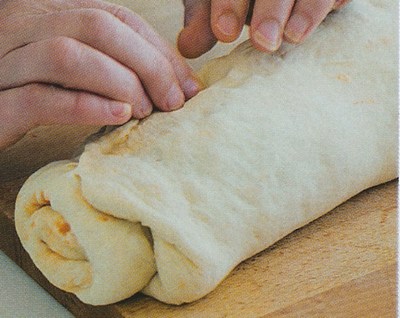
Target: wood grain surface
point(341, 265)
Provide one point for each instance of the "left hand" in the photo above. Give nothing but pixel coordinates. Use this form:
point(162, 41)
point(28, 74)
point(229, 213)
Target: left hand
point(86, 62)
point(271, 22)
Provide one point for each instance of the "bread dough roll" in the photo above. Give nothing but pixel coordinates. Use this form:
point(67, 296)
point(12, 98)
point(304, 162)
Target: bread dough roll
point(171, 204)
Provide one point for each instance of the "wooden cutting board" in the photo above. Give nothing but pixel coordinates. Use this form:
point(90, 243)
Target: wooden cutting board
point(341, 265)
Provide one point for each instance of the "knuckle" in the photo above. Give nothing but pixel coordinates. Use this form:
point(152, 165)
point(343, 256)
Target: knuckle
point(96, 21)
point(84, 107)
point(159, 64)
point(160, 85)
point(239, 7)
point(120, 12)
point(132, 90)
point(64, 54)
point(77, 108)
point(133, 95)
point(135, 22)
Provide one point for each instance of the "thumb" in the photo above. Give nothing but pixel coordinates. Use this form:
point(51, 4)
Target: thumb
point(196, 38)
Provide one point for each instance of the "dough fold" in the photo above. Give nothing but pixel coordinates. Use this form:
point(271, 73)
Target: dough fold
point(171, 204)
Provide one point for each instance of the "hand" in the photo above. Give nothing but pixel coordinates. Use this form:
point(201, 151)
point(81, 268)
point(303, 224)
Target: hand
point(83, 62)
point(271, 21)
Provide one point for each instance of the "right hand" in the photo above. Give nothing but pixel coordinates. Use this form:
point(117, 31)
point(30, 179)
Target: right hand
point(83, 62)
point(270, 21)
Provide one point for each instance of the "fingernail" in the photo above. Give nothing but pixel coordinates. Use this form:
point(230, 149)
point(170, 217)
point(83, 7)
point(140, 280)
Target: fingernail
point(120, 109)
point(191, 87)
point(268, 35)
point(228, 24)
point(175, 98)
point(296, 28)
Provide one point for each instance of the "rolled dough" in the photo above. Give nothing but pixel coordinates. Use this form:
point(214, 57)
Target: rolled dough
point(170, 205)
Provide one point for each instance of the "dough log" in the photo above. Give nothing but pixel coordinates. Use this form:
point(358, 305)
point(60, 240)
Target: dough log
point(170, 205)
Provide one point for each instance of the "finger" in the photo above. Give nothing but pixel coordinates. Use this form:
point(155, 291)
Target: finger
point(305, 17)
point(228, 18)
point(197, 37)
point(188, 81)
point(268, 22)
point(104, 32)
point(71, 64)
point(340, 4)
point(25, 107)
